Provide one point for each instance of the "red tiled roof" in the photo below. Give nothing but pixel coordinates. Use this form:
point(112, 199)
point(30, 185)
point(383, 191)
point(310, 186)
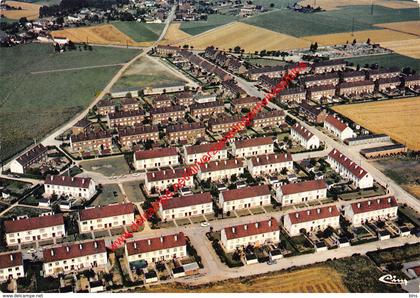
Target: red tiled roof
point(185, 127)
point(19, 225)
point(246, 192)
point(253, 142)
point(356, 84)
point(155, 153)
point(10, 259)
point(313, 214)
point(350, 165)
point(269, 114)
point(31, 154)
point(306, 134)
point(178, 202)
point(304, 186)
point(245, 100)
point(255, 228)
point(91, 136)
point(202, 148)
point(80, 182)
point(126, 114)
point(72, 251)
point(336, 122)
point(154, 244)
point(219, 165)
point(106, 211)
point(416, 270)
point(138, 130)
point(166, 174)
point(272, 158)
point(374, 204)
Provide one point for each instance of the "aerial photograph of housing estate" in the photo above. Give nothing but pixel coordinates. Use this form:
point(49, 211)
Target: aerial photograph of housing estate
point(210, 146)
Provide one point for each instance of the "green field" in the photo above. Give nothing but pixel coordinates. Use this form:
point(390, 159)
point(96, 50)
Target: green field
point(49, 99)
point(140, 31)
point(335, 21)
point(387, 60)
point(213, 21)
point(112, 166)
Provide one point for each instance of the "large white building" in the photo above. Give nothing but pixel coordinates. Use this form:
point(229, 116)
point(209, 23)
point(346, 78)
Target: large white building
point(221, 169)
point(304, 137)
point(194, 153)
point(161, 180)
point(33, 229)
point(105, 217)
point(349, 169)
point(34, 155)
point(157, 249)
point(301, 192)
point(76, 187)
point(155, 158)
point(338, 128)
point(371, 210)
point(312, 220)
point(242, 198)
point(269, 163)
point(11, 266)
point(252, 147)
point(185, 206)
point(73, 257)
point(255, 233)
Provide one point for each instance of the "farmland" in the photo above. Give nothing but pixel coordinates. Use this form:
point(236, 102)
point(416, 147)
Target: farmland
point(412, 27)
point(397, 118)
point(174, 34)
point(255, 39)
point(410, 48)
point(336, 4)
point(140, 32)
point(387, 60)
point(49, 99)
point(213, 21)
point(29, 10)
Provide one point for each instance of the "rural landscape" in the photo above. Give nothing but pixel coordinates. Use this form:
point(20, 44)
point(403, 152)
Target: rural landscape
point(220, 146)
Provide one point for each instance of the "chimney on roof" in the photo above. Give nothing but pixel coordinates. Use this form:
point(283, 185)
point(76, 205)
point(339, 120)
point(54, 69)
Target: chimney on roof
point(83, 181)
point(378, 201)
point(11, 257)
point(72, 179)
point(318, 210)
point(135, 245)
point(80, 246)
point(62, 178)
point(308, 212)
point(52, 252)
point(176, 237)
point(369, 202)
point(389, 200)
point(149, 242)
point(330, 209)
point(233, 230)
point(297, 215)
point(358, 205)
point(95, 244)
point(361, 171)
point(161, 239)
point(67, 248)
point(245, 227)
point(153, 174)
point(257, 225)
point(270, 222)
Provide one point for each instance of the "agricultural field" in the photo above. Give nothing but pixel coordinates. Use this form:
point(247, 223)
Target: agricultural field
point(140, 32)
point(29, 10)
point(375, 36)
point(213, 21)
point(248, 37)
point(334, 21)
point(397, 118)
point(35, 82)
point(410, 48)
point(146, 72)
point(110, 166)
point(412, 27)
point(174, 34)
point(387, 60)
point(337, 4)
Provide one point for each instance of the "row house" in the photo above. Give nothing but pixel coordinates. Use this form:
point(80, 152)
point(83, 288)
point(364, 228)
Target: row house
point(195, 153)
point(75, 187)
point(388, 83)
point(122, 119)
point(223, 123)
point(356, 87)
point(222, 74)
point(164, 114)
point(318, 93)
point(11, 266)
point(312, 113)
point(161, 101)
point(161, 180)
point(312, 220)
point(204, 98)
point(81, 126)
point(91, 141)
point(185, 206)
point(163, 50)
point(132, 135)
point(349, 169)
point(207, 109)
point(363, 212)
point(328, 66)
point(321, 80)
point(301, 192)
point(163, 248)
point(184, 98)
point(383, 73)
point(105, 106)
point(221, 169)
point(75, 257)
point(255, 233)
point(268, 83)
point(304, 137)
point(36, 154)
point(276, 71)
point(353, 76)
point(338, 128)
point(168, 88)
point(291, 68)
point(129, 104)
point(242, 198)
point(28, 230)
point(252, 147)
point(271, 119)
point(232, 89)
point(155, 158)
point(292, 95)
point(105, 217)
point(244, 103)
point(188, 131)
point(270, 163)
point(412, 82)
point(234, 65)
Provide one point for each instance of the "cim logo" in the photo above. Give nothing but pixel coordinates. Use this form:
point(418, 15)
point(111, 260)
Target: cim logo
point(392, 279)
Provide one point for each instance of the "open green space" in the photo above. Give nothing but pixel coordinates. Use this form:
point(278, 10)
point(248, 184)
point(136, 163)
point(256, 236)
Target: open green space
point(133, 191)
point(140, 31)
point(387, 60)
point(112, 166)
point(334, 21)
point(213, 21)
point(48, 99)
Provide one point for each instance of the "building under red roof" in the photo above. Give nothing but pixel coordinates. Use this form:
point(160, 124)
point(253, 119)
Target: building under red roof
point(313, 214)
point(346, 162)
point(202, 148)
point(10, 259)
point(106, 211)
point(154, 244)
point(155, 153)
point(374, 204)
point(27, 224)
point(301, 130)
point(220, 165)
point(253, 142)
point(72, 251)
point(335, 122)
point(304, 186)
point(80, 182)
point(166, 174)
point(185, 201)
point(247, 192)
point(272, 158)
point(255, 228)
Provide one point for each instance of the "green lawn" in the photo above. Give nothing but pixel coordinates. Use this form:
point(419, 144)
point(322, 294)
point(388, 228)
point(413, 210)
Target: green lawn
point(213, 21)
point(387, 60)
point(133, 191)
point(140, 31)
point(335, 21)
point(113, 166)
point(48, 99)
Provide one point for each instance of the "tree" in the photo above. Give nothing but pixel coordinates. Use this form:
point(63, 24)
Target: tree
point(368, 41)
point(354, 41)
point(271, 5)
point(302, 231)
point(237, 49)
